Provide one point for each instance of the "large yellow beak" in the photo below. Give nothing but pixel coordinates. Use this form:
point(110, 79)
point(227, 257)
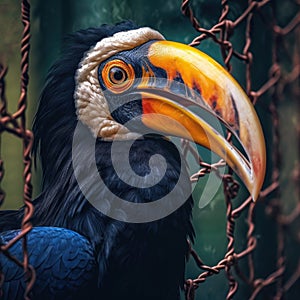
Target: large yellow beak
point(210, 87)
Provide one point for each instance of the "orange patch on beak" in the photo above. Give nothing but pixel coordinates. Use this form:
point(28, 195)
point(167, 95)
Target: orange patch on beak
point(214, 90)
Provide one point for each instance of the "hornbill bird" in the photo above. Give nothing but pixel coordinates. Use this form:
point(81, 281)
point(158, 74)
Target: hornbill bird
point(110, 226)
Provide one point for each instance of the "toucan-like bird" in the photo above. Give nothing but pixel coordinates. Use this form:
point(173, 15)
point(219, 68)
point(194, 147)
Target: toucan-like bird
point(114, 214)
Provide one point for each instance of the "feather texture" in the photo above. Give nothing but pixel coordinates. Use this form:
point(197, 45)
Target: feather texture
point(134, 261)
point(64, 262)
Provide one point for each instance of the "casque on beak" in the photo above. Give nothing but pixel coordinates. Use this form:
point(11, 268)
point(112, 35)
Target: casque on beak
point(210, 87)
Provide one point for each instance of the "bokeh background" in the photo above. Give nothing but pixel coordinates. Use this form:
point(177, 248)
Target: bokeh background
point(52, 20)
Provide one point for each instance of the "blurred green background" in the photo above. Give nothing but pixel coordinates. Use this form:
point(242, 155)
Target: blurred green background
point(51, 20)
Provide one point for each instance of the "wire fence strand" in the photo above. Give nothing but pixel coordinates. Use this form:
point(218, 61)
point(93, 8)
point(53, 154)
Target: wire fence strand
point(15, 123)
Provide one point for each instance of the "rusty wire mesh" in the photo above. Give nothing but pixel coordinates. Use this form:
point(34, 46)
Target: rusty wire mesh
point(279, 79)
point(15, 124)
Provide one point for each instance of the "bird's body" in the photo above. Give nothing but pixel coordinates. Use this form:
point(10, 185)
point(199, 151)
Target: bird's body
point(106, 77)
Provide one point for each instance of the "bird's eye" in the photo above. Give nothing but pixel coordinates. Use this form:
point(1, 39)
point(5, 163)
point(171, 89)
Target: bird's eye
point(117, 75)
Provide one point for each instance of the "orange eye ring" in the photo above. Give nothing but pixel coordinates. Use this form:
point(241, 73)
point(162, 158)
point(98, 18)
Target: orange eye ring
point(118, 76)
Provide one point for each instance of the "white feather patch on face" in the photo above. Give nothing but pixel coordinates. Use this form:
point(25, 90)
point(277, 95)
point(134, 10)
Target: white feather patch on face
point(91, 105)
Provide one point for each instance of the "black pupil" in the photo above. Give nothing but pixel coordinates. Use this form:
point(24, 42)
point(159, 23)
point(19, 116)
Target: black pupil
point(117, 74)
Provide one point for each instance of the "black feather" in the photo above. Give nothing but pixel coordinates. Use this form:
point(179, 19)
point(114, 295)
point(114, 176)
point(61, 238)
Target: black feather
point(135, 261)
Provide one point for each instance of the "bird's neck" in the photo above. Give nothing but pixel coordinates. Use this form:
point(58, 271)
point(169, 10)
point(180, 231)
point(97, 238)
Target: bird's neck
point(150, 173)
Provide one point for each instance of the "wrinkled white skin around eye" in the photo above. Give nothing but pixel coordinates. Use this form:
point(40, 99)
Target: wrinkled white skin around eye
point(91, 105)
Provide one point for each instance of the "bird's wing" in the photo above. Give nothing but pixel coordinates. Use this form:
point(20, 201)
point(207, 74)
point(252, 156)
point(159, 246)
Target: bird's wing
point(63, 260)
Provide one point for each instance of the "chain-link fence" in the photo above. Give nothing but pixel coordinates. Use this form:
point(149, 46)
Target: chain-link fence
point(284, 71)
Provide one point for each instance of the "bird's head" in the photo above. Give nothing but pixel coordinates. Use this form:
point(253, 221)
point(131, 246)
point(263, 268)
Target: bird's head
point(129, 79)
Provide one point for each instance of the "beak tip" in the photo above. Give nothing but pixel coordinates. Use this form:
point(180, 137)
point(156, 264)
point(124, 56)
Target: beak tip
point(255, 190)
point(255, 196)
